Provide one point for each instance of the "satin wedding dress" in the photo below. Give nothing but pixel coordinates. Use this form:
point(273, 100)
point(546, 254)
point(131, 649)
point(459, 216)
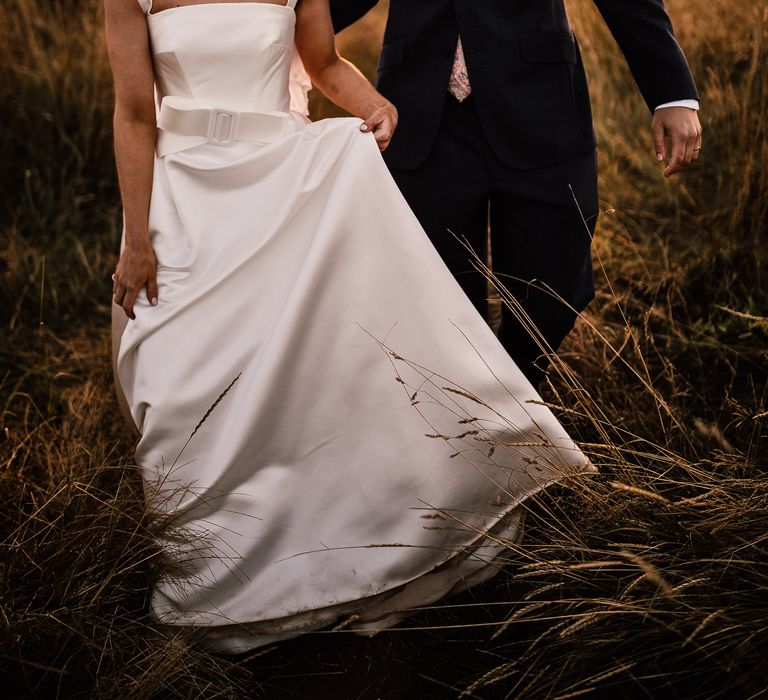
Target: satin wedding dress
point(332, 432)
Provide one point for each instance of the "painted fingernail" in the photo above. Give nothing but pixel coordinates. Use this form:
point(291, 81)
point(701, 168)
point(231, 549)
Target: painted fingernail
point(659, 157)
point(363, 127)
point(153, 301)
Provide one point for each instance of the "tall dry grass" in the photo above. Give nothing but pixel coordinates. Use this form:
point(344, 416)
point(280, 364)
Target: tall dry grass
point(651, 580)
point(648, 581)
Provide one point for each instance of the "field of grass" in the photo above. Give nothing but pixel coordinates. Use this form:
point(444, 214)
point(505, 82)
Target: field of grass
point(649, 581)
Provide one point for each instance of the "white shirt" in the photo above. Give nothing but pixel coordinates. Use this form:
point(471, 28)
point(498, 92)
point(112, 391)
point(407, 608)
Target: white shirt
point(691, 104)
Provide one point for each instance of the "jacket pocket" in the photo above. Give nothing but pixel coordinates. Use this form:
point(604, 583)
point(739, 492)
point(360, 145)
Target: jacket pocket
point(392, 53)
point(551, 47)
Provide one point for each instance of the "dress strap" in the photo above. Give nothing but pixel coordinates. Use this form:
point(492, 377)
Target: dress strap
point(290, 3)
point(146, 5)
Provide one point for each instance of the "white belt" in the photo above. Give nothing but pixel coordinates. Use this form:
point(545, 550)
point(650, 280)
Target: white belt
point(185, 123)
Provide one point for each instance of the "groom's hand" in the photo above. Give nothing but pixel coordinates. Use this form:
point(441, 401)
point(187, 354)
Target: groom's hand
point(680, 127)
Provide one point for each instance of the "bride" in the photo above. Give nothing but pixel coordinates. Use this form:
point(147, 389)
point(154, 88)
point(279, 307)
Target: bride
point(329, 430)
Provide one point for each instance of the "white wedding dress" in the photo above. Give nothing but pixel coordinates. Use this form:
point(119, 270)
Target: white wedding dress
point(333, 432)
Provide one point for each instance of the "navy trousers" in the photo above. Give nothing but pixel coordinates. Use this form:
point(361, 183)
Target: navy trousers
point(541, 225)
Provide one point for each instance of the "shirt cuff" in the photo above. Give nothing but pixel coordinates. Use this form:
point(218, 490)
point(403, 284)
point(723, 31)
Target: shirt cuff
point(691, 104)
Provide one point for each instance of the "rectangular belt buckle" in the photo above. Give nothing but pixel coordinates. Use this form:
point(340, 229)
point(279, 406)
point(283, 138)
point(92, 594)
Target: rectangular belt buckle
point(222, 127)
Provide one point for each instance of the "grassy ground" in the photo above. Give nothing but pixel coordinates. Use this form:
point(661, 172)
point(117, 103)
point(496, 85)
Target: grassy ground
point(647, 582)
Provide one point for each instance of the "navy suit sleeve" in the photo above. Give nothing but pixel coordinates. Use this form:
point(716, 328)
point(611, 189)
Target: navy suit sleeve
point(643, 30)
point(345, 12)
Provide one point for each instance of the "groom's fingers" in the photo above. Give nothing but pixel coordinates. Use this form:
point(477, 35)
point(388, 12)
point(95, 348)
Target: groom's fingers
point(683, 144)
point(697, 147)
point(682, 149)
point(676, 137)
point(678, 155)
point(659, 140)
point(689, 144)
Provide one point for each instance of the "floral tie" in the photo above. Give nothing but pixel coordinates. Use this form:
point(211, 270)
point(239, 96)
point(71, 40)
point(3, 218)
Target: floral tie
point(459, 85)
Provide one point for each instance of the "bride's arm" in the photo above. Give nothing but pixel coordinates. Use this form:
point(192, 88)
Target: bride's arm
point(338, 79)
point(135, 128)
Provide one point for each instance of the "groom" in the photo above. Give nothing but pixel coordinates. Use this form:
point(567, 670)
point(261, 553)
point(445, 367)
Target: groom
point(495, 129)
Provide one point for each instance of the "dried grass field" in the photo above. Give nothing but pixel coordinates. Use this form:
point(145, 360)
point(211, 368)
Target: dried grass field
point(650, 581)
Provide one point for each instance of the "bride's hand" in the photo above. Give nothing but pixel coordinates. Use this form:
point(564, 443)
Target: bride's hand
point(136, 269)
point(382, 123)
point(336, 77)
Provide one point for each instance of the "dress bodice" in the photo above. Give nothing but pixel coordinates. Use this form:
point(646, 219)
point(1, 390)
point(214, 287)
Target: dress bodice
point(232, 55)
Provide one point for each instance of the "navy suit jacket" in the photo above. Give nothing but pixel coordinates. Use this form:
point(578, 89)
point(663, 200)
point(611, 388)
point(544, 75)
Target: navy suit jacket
point(525, 69)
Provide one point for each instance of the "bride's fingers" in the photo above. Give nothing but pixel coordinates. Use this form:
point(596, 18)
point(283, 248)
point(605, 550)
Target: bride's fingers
point(371, 123)
point(128, 301)
point(382, 141)
point(152, 289)
point(382, 124)
point(383, 133)
point(119, 293)
point(374, 124)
